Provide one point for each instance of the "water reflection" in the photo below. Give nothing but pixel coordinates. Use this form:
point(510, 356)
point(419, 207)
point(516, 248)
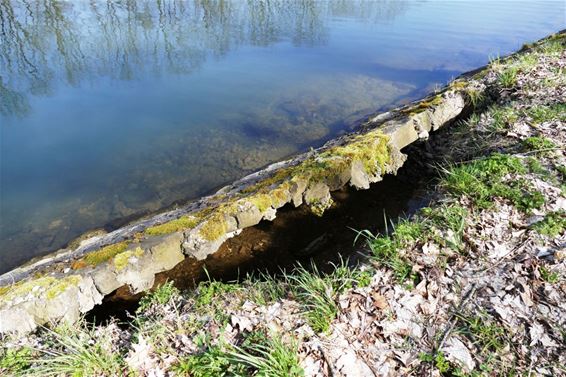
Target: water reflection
point(50, 43)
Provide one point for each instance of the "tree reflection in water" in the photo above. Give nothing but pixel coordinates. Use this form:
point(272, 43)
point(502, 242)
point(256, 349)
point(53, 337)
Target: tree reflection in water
point(49, 43)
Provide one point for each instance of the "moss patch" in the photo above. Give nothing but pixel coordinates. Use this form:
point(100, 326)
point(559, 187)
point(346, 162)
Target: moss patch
point(214, 227)
point(121, 260)
point(423, 105)
point(104, 254)
point(371, 149)
point(261, 201)
point(51, 285)
point(182, 223)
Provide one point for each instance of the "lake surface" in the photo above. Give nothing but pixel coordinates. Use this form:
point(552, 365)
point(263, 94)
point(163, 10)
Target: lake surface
point(113, 109)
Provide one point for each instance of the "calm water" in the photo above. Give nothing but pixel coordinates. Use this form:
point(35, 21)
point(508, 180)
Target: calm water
point(109, 110)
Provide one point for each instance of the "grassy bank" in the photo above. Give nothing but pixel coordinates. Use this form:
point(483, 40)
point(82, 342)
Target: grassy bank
point(474, 284)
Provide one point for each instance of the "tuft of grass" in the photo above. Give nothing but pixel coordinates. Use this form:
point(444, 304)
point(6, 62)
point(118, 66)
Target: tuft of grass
point(78, 351)
point(502, 117)
point(476, 97)
point(258, 355)
point(536, 167)
point(526, 62)
point(452, 217)
point(507, 78)
point(208, 291)
point(438, 360)
point(160, 296)
point(385, 251)
point(409, 231)
point(483, 331)
point(264, 289)
point(552, 225)
point(553, 47)
point(316, 293)
point(271, 358)
point(213, 361)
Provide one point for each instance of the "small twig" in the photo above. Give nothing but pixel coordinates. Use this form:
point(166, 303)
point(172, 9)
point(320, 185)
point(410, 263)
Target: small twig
point(331, 371)
point(517, 248)
point(452, 320)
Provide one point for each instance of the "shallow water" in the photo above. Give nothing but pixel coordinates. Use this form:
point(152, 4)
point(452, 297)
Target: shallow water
point(109, 110)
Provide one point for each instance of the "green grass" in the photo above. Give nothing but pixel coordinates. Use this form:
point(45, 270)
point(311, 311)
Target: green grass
point(385, 251)
point(553, 47)
point(548, 275)
point(536, 167)
point(482, 180)
point(476, 97)
point(316, 293)
point(15, 361)
point(408, 231)
point(213, 361)
point(527, 62)
point(508, 77)
point(258, 355)
point(538, 144)
point(271, 358)
point(208, 291)
point(502, 117)
point(159, 296)
point(541, 114)
point(483, 332)
point(552, 225)
point(264, 289)
point(438, 360)
point(443, 217)
point(78, 351)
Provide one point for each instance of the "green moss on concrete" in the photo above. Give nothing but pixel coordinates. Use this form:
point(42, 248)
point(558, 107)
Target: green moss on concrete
point(214, 227)
point(121, 260)
point(371, 149)
point(278, 177)
point(261, 201)
point(318, 207)
point(61, 285)
point(182, 223)
point(49, 285)
point(97, 257)
point(424, 105)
